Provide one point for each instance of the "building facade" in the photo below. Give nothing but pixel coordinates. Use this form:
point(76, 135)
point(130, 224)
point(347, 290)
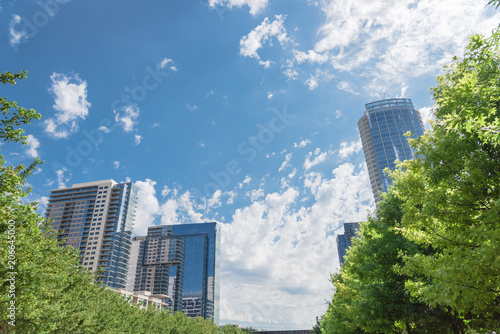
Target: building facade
point(97, 218)
point(344, 241)
point(382, 128)
point(183, 262)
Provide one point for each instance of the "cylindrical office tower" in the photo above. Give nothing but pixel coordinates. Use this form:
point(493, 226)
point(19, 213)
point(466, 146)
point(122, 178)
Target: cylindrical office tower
point(382, 129)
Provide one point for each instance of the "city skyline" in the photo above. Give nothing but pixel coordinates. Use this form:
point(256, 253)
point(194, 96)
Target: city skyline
point(241, 112)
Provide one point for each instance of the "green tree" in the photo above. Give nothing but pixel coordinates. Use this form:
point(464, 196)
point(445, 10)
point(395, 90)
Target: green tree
point(451, 192)
point(370, 295)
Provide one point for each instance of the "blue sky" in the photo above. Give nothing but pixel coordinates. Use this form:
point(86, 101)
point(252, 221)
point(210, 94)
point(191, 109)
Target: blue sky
point(239, 111)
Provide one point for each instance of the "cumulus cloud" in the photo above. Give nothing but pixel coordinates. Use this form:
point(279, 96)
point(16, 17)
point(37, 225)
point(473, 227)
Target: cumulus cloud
point(176, 209)
point(277, 251)
point(70, 102)
point(33, 145)
point(251, 43)
point(116, 164)
point(215, 201)
point(348, 149)
point(127, 117)
point(256, 6)
point(147, 206)
point(255, 194)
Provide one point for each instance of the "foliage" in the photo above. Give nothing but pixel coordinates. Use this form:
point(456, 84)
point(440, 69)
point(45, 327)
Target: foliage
point(468, 94)
point(452, 191)
point(50, 291)
point(317, 326)
point(370, 296)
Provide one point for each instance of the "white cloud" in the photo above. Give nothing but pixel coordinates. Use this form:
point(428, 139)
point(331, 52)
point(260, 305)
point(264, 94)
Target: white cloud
point(16, 37)
point(166, 190)
point(347, 87)
point(265, 270)
point(127, 119)
point(320, 76)
point(311, 56)
point(165, 62)
point(104, 129)
point(269, 95)
point(215, 201)
point(347, 149)
point(147, 206)
point(291, 74)
point(116, 164)
point(313, 159)
point(61, 178)
point(427, 115)
point(286, 162)
point(255, 194)
point(256, 6)
point(33, 145)
point(231, 196)
point(137, 139)
point(70, 98)
point(303, 143)
point(251, 43)
point(338, 113)
point(408, 40)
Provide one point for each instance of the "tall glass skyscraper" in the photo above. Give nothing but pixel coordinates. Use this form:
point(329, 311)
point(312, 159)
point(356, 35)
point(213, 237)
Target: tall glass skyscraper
point(382, 129)
point(183, 263)
point(97, 218)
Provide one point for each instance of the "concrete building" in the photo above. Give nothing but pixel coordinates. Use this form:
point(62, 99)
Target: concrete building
point(97, 219)
point(382, 128)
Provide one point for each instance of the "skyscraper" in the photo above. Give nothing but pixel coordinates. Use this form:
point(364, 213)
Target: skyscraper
point(182, 261)
point(97, 219)
point(344, 241)
point(382, 129)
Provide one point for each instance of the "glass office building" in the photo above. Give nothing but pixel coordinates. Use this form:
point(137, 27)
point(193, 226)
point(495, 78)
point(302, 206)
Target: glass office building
point(182, 262)
point(344, 241)
point(382, 129)
point(97, 218)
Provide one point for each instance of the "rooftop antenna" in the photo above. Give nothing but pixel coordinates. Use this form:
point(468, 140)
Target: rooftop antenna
point(384, 96)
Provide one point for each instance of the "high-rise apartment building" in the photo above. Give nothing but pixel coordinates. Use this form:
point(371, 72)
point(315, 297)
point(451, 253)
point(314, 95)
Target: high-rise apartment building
point(181, 261)
point(97, 219)
point(344, 241)
point(382, 129)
